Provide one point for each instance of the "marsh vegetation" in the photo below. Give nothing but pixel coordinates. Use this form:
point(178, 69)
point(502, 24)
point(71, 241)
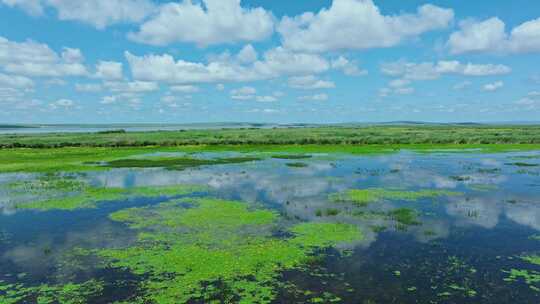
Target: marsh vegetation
point(269, 224)
point(368, 135)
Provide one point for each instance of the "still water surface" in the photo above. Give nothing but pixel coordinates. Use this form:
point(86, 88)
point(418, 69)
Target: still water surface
point(460, 250)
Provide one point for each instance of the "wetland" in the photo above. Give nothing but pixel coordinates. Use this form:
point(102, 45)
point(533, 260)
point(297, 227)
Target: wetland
point(270, 224)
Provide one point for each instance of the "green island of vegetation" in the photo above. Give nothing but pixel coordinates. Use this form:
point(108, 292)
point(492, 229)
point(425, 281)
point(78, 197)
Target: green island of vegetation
point(221, 241)
point(364, 197)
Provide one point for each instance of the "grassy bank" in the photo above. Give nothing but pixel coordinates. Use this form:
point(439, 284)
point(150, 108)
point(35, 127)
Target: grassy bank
point(73, 159)
point(375, 135)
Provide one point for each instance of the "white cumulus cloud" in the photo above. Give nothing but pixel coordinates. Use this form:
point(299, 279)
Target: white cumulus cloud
point(98, 13)
point(491, 36)
point(30, 58)
point(109, 70)
point(205, 23)
point(15, 82)
point(491, 87)
point(310, 82)
point(88, 87)
point(315, 97)
point(358, 24)
point(431, 70)
point(274, 63)
point(184, 88)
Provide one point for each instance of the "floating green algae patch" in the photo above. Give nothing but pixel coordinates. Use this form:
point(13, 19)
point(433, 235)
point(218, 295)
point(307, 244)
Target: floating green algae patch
point(213, 249)
point(176, 163)
point(533, 259)
point(67, 194)
point(70, 293)
point(364, 197)
point(531, 277)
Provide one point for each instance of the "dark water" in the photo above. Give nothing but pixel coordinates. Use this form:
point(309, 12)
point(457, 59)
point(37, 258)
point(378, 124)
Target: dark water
point(458, 254)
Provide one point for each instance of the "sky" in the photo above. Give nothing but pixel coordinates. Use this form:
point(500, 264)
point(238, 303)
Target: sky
point(308, 61)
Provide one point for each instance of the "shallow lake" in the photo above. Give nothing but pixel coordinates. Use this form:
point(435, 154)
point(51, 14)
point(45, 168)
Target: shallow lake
point(406, 227)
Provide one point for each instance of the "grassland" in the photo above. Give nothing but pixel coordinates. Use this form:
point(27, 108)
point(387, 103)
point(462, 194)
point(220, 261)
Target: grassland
point(373, 135)
point(99, 151)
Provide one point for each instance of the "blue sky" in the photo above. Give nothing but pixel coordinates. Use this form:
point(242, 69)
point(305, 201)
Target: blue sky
point(319, 61)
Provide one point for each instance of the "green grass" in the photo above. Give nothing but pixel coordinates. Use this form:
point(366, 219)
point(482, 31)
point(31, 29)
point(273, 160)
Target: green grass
point(330, 135)
point(74, 159)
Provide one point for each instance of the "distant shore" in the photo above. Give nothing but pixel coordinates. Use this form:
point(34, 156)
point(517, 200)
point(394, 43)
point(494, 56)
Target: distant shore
point(292, 135)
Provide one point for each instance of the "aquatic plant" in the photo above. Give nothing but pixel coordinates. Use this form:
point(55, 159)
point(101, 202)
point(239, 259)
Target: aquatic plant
point(291, 156)
point(331, 212)
point(457, 279)
point(535, 237)
point(70, 293)
point(460, 178)
point(489, 170)
point(531, 277)
point(186, 253)
point(363, 197)
point(178, 163)
point(297, 165)
point(522, 164)
point(405, 216)
point(533, 259)
point(61, 194)
point(482, 187)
